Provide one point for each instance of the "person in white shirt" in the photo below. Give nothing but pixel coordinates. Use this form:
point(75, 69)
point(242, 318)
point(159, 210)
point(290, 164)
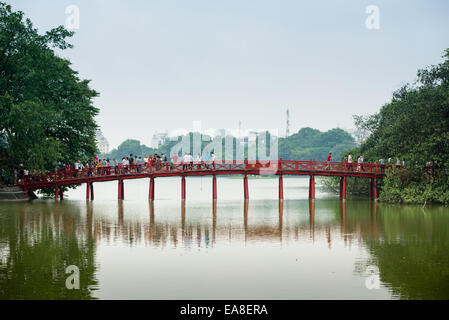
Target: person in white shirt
point(198, 160)
point(190, 161)
point(360, 163)
point(185, 161)
point(350, 161)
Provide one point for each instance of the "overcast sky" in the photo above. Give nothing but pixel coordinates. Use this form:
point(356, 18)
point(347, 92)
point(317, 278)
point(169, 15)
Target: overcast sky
point(160, 65)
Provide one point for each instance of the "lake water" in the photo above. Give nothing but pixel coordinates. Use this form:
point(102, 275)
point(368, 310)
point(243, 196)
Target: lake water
point(261, 249)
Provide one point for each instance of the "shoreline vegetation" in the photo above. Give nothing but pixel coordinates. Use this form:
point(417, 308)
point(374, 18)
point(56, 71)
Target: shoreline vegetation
point(413, 127)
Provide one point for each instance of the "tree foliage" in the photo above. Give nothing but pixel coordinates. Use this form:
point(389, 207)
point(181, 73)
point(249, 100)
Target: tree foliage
point(46, 110)
point(414, 126)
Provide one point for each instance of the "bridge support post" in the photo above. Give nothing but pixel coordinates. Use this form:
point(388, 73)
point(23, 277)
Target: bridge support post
point(312, 187)
point(281, 188)
point(121, 190)
point(343, 189)
point(214, 187)
point(91, 191)
point(56, 192)
point(375, 189)
point(61, 193)
point(183, 188)
point(245, 187)
point(151, 190)
point(371, 185)
point(87, 191)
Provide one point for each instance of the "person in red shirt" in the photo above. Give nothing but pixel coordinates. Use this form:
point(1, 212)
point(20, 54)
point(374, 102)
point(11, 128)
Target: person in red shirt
point(329, 159)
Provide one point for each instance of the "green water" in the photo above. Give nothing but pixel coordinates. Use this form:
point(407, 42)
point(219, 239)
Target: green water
point(264, 249)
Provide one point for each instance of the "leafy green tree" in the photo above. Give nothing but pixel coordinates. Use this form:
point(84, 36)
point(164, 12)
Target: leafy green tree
point(127, 147)
point(414, 126)
point(46, 111)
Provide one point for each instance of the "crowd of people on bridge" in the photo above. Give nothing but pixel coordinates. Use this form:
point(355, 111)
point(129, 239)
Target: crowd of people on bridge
point(128, 164)
point(138, 164)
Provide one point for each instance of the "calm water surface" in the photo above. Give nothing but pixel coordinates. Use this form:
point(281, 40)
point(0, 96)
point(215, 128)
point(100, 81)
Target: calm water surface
point(263, 249)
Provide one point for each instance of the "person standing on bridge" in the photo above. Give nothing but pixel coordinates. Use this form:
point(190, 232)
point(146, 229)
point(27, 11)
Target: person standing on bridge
point(350, 161)
point(360, 163)
point(206, 160)
point(190, 161)
point(76, 166)
point(185, 161)
point(382, 165)
point(198, 160)
point(212, 159)
point(329, 159)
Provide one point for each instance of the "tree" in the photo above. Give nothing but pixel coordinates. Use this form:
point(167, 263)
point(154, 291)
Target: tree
point(414, 126)
point(46, 111)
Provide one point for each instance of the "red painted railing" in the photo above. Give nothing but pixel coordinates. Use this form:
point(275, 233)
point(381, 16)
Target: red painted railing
point(224, 167)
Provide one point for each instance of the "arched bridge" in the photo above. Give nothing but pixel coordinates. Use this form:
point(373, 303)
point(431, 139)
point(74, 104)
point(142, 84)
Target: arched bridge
point(280, 168)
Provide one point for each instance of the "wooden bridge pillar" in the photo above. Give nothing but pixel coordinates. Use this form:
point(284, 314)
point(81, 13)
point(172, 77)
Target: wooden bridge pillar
point(183, 188)
point(87, 191)
point(343, 188)
point(151, 190)
point(245, 187)
point(371, 185)
point(91, 191)
point(121, 190)
point(214, 187)
point(375, 189)
point(281, 188)
point(56, 192)
point(312, 187)
point(61, 193)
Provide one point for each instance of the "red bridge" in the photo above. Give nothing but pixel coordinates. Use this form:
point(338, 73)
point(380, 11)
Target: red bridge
point(57, 179)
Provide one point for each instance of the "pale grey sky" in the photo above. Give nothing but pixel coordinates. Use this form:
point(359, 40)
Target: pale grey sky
point(164, 64)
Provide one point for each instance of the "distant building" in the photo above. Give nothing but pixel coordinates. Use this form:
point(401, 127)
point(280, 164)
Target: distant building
point(102, 143)
point(158, 139)
point(221, 132)
point(359, 135)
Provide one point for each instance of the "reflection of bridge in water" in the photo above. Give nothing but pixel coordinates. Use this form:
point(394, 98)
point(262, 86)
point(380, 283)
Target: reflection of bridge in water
point(188, 233)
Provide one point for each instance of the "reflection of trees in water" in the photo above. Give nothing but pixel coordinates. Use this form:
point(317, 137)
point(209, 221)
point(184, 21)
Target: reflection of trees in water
point(410, 246)
point(412, 251)
point(37, 245)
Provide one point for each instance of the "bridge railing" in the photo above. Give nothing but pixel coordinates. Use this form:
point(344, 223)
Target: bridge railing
point(269, 167)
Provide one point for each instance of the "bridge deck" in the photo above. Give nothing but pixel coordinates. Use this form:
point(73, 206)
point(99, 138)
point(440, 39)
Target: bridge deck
point(243, 167)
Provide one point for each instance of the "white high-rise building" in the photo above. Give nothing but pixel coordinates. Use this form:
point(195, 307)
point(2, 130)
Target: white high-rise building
point(158, 139)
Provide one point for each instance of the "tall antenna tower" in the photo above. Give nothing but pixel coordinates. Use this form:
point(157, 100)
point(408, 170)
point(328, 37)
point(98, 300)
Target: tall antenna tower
point(240, 127)
point(287, 128)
